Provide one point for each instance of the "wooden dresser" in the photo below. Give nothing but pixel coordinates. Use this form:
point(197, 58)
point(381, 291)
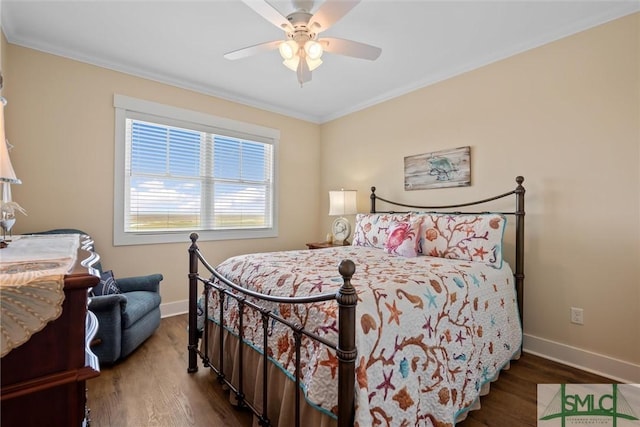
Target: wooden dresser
point(43, 380)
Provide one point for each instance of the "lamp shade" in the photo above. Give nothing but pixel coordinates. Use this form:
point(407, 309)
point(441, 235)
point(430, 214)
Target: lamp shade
point(292, 63)
point(313, 63)
point(343, 202)
point(7, 173)
point(313, 49)
point(288, 49)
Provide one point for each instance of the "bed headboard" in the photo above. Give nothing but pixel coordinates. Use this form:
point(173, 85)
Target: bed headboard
point(518, 213)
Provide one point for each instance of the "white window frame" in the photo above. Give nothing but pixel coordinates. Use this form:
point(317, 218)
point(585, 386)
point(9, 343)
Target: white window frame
point(126, 106)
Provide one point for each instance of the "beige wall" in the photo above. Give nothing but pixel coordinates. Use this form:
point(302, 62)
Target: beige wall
point(566, 117)
point(60, 118)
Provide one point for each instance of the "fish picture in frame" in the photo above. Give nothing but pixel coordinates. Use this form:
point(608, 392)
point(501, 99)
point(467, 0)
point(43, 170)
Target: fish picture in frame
point(438, 169)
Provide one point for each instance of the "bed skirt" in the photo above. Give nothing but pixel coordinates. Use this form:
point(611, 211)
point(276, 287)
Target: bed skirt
point(281, 389)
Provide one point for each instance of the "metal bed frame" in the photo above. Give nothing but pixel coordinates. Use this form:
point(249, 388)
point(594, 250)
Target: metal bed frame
point(346, 299)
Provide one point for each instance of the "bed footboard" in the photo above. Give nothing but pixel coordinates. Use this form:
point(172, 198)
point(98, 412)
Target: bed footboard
point(345, 348)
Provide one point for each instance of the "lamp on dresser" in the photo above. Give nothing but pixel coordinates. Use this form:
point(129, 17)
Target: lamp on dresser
point(8, 176)
point(341, 203)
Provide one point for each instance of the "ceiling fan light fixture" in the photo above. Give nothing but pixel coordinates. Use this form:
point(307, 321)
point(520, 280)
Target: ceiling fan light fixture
point(313, 49)
point(288, 50)
point(301, 49)
point(292, 63)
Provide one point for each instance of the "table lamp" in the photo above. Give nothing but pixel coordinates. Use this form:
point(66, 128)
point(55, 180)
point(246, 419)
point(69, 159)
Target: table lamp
point(342, 202)
point(8, 176)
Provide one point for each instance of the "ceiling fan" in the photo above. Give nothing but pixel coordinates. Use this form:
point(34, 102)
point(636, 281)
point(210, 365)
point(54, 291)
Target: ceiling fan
point(301, 49)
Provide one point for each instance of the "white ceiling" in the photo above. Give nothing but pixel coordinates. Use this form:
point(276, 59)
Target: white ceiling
point(182, 43)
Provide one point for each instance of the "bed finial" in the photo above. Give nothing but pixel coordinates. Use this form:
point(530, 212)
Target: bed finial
point(347, 268)
point(519, 179)
point(194, 238)
point(373, 200)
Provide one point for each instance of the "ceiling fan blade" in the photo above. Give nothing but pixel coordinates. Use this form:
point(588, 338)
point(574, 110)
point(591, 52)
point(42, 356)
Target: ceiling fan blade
point(304, 74)
point(252, 50)
point(329, 13)
point(268, 12)
point(350, 48)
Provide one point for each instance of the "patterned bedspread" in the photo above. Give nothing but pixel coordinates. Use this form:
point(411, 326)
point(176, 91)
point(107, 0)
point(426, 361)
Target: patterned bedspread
point(431, 331)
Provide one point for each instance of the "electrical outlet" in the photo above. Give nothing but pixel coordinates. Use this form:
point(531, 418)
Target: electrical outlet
point(577, 316)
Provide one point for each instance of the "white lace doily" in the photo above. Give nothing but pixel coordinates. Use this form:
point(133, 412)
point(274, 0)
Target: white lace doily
point(32, 270)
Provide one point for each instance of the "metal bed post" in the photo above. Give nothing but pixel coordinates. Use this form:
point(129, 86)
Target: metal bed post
point(193, 296)
point(264, 417)
point(519, 273)
point(241, 396)
point(373, 200)
point(346, 351)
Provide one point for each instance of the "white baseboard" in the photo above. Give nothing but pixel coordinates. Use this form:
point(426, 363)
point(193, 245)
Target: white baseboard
point(599, 364)
point(618, 370)
point(174, 308)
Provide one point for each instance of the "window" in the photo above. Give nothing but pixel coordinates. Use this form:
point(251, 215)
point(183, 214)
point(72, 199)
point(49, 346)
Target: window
point(179, 171)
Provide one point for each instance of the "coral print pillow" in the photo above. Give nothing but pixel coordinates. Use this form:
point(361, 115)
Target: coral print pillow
point(372, 229)
point(403, 238)
point(475, 238)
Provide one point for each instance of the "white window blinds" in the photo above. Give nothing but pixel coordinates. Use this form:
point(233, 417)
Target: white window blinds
point(181, 179)
point(180, 176)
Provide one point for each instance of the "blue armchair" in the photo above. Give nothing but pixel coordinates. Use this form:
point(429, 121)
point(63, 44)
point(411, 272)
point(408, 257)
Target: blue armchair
point(126, 319)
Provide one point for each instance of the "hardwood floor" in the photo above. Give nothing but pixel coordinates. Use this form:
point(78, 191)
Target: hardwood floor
point(152, 388)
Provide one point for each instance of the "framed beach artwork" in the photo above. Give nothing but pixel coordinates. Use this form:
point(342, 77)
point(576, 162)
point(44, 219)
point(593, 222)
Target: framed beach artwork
point(446, 168)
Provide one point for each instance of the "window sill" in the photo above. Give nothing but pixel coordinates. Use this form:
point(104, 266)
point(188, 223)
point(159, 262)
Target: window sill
point(126, 239)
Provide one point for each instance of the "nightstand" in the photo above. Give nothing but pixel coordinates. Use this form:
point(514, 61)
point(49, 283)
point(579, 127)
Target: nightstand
point(322, 245)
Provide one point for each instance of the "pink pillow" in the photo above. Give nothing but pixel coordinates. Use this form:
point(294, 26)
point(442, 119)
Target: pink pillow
point(403, 238)
point(372, 229)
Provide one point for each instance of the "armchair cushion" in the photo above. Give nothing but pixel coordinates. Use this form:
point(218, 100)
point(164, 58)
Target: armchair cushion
point(139, 303)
